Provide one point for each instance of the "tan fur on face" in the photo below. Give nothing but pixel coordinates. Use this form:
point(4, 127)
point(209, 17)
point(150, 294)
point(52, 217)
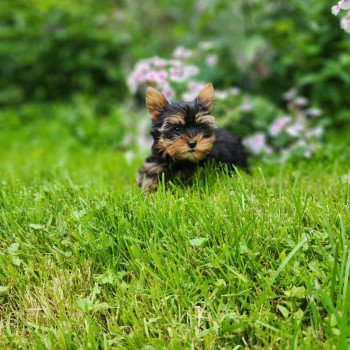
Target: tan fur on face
point(176, 149)
point(160, 146)
point(173, 120)
point(203, 147)
point(206, 96)
point(205, 119)
point(155, 102)
point(179, 149)
point(176, 119)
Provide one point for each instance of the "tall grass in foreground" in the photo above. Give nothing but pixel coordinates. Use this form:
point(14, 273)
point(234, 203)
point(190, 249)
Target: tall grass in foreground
point(88, 262)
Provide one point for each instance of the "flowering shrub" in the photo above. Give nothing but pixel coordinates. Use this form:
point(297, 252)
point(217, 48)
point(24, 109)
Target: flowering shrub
point(296, 132)
point(174, 77)
point(345, 21)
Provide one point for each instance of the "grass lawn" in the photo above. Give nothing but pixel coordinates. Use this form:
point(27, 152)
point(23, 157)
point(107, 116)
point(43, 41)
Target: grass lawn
point(245, 262)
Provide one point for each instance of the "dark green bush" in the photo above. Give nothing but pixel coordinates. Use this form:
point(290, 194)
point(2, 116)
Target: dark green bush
point(49, 51)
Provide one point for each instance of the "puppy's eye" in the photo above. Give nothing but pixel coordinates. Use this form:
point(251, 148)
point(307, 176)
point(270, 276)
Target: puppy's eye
point(177, 129)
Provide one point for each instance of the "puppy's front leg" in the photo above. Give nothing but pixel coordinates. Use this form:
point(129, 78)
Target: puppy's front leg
point(149, 173)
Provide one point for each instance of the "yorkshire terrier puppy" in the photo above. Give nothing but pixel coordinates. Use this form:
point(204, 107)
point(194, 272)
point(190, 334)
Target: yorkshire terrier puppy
point(185, 136)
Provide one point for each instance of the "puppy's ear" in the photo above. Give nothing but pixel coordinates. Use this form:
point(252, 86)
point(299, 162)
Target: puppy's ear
point(206, 96)
point(155, 102)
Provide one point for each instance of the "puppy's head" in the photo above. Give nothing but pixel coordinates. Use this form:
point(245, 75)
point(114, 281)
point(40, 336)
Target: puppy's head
point(183, 130)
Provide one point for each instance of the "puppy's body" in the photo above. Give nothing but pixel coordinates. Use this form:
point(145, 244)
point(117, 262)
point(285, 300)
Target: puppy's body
point(228, 150)
point(185, 137)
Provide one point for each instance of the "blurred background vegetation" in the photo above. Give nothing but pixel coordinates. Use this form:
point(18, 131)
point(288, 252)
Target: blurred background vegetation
point(69, 60)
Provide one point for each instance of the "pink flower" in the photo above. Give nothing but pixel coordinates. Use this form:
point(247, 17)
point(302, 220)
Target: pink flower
point(142, 66)
point(193, 89)
point(278, 125)
point(176, 75)
point(315, 132)
point(345, 23)
point(246, 106)
point(132, 84)
point(212, 60)
point(169, 93)
point(300, 144)
point(335, 10)
point(344, 4)
point(301, 101)
point(235, 90)
point(190, 71)
point(295, 129)
point(182, 53)
point(221, 95)
point(161, 76)
point(151, 76)
point(175, 63)
point(289, 95)
point(158, 62)
point(313, 112)
point(195, 86)
point(257, 143)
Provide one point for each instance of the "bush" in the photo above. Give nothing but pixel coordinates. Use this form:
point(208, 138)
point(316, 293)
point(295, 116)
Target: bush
point(283, 44)
point(51, 50)
point(264, 47)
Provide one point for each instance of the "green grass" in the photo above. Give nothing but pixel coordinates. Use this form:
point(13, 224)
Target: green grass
point(245, 262)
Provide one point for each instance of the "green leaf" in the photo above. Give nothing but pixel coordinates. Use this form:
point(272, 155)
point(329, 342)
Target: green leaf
point(296, 292)
point(220, 283)
point(84, 303)
point(13, 248)
point(16, 261)
point(283, 310)
point(77, 214)
point(298, 315)
point(36, 226)
point(197, 242)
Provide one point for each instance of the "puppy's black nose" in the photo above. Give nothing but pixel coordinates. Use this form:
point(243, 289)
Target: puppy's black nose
point(192, 144)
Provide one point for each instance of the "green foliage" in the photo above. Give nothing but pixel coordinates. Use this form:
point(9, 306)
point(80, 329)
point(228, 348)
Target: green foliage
point(312, 52)
point(267, 47)
point(260, 115)
point(51, 50)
